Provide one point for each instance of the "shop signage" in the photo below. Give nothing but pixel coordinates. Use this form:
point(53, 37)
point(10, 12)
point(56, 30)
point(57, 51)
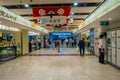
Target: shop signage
point(53, 22)
point(61, 33)
point(61, 11)
point(6, 15)
point(3, 27)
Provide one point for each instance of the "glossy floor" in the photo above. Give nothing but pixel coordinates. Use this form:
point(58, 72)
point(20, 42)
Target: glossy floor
point(57, 68)
point(55, 51)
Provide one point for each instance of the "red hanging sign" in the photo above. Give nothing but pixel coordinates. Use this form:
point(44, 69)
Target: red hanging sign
point(59, 10)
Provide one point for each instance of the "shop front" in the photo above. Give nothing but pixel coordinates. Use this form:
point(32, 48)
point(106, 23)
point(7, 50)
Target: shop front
point(34, 41)
point(9, 47)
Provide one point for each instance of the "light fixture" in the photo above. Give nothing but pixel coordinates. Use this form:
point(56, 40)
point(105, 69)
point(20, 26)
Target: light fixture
point(110, 19)
point(26, 5)
point(75, 4)
point(72, 13)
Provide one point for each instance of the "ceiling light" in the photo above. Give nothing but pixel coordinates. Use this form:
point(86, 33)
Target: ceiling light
point(72, 13)
point(75, 4)
point(26, 5)
point(110, 19)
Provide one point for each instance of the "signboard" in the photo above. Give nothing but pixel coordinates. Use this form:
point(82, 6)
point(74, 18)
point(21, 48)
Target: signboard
point(53, 22)
point(59, 10)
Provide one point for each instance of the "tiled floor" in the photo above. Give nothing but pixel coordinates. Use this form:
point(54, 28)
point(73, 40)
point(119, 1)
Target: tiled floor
point(55, 51)
point(57, 68)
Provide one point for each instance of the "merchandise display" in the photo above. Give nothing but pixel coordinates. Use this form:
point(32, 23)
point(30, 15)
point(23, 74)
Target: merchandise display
point(6, 50)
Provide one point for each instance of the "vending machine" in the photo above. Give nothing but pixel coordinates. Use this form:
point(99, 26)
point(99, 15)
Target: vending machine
point(108, 47)
point(113, 46)
point(118, 48)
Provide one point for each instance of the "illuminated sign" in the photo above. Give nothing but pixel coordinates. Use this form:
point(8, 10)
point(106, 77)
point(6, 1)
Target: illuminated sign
point(62, 33)
point(8, 16)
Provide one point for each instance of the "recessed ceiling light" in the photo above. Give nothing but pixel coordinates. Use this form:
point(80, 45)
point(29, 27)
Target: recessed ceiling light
point(72, 13)
point(75, 4)
point(26, 5)
point(110, 19)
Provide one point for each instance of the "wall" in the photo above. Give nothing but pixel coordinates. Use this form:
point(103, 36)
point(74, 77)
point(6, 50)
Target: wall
point(112, 25)
point(17, 37)
point(97, 31)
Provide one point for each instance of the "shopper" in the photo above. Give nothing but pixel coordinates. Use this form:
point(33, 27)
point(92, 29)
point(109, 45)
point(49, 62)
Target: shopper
point(66, 41)
point(58, 44)
point(101, 49)
point(39, 43)
point(81, 46)
point(53, 44)
point(30, 45)
point(15, 47)
point(75, 42)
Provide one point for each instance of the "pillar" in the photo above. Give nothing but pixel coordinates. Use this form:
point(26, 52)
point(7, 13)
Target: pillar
point(24, 37)
point(17, 37)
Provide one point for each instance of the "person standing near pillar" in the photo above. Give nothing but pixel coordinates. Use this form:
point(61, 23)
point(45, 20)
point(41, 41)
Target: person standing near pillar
point(15, 47)
point(30, 45)
point(81, 46)
point(101, 49)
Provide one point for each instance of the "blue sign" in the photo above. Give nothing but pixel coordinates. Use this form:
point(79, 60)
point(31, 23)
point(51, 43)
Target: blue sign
point(61, 35)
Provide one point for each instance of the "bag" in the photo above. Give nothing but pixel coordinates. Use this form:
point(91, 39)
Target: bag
point(77, 49)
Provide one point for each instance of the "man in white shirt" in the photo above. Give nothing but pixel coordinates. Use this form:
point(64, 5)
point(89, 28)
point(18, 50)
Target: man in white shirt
point(101, 49)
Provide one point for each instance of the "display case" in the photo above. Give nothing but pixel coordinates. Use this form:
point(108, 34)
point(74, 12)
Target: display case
point(6, 53)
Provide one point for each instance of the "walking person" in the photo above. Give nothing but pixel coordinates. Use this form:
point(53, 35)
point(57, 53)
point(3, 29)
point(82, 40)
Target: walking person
point(53, 44)
point(66, 41)
point(58, 44)
point(81, 46)
point(39, 43)
point(75, 42)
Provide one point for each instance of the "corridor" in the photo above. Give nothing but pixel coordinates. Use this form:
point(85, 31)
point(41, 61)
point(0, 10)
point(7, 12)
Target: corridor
point(70, 67)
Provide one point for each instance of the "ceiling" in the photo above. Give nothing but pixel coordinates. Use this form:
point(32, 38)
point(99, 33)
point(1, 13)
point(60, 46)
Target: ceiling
point(81, 11)
point(112, 17)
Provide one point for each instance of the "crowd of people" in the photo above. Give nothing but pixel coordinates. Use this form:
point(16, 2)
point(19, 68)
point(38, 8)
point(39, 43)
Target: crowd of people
point(56, 43)
point(34, 44)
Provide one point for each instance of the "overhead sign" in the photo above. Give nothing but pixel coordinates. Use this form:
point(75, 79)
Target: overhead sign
point(59, 10)
point(61, 33)
point(53, 22)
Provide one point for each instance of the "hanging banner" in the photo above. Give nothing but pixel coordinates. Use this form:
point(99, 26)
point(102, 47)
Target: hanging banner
point(59, 10)
point(54, 22)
